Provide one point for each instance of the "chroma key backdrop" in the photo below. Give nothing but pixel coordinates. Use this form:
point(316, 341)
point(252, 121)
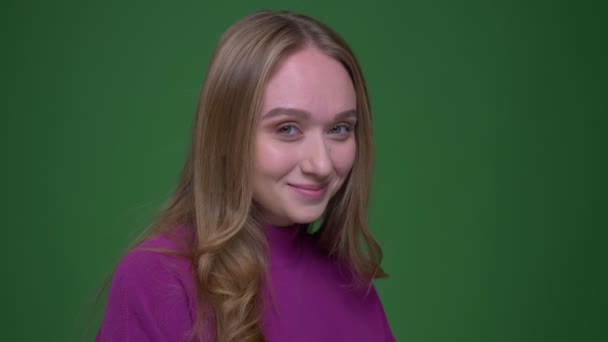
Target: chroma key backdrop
point(489, 194)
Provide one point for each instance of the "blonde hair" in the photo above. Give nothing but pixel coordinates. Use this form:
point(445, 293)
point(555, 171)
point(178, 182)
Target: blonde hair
point(213, 198)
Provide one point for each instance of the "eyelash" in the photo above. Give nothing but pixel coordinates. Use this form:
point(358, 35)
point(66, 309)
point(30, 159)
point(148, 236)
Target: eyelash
point(347, 129)
point(282, 127)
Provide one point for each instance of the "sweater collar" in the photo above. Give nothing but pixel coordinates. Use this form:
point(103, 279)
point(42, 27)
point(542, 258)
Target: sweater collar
point(283, 242)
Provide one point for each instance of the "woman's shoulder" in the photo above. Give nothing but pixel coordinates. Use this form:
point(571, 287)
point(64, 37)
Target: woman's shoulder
point(152, 293)
point(161, 255)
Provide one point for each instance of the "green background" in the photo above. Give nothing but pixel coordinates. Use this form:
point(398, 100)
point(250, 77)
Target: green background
point(489, 197)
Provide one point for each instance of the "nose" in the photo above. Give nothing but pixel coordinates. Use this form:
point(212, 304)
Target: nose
point(316, 160)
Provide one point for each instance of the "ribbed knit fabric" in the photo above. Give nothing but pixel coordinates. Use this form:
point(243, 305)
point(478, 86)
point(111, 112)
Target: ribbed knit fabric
point(152, 296)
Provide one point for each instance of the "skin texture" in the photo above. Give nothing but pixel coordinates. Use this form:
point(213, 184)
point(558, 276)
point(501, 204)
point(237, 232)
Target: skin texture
point(305, 142)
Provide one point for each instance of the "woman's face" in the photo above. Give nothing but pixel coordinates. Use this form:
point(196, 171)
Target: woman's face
point(305, 139)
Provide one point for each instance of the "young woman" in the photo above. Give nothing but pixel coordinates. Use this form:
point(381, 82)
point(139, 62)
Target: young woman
point(281, 139)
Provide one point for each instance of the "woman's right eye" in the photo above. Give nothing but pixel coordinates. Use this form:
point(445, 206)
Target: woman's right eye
point(290, 130)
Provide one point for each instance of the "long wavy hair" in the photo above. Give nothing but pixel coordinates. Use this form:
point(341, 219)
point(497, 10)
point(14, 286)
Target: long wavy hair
point(213, 198)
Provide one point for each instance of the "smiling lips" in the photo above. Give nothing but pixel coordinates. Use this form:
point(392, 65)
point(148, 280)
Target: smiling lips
point(310, 191)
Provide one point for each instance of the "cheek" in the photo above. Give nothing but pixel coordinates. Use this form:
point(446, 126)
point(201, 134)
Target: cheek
point(273, 159)
point(343, 157)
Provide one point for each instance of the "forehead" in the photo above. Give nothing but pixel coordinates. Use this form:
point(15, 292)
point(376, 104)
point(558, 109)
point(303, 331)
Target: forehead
point(310, 81)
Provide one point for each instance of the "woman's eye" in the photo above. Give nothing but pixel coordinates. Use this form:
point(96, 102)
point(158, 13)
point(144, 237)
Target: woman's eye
point(288, 130)
point(340, 129)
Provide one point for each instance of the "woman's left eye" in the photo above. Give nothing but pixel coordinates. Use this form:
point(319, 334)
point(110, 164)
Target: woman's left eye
point(340, 129)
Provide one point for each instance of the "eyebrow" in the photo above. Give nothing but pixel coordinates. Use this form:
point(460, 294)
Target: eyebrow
point(302, 114)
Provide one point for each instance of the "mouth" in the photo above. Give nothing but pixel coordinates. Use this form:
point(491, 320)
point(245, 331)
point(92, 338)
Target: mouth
point(310, 191)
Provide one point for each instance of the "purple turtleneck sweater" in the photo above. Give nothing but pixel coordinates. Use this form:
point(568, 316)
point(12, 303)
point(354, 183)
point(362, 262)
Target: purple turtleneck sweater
point(152, 296)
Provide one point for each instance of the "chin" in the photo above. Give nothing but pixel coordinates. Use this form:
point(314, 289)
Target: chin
point(305, 221)
point(307, 217)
